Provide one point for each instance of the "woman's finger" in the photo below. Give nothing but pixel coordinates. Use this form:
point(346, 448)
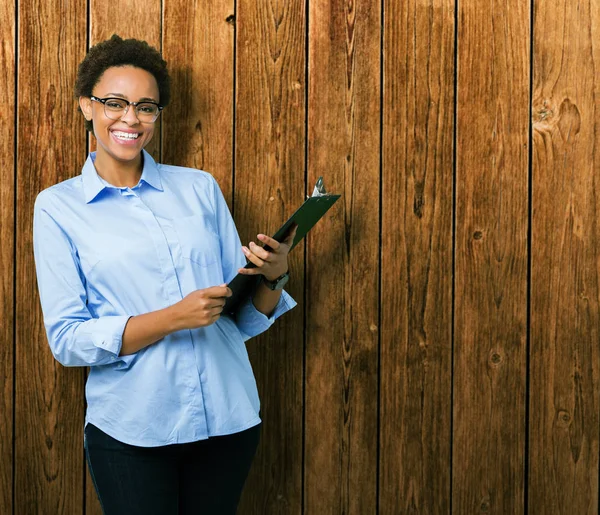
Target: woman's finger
point(249, 271)
point(267, 240)
point(253, 258)
point(289, 239)
point(259, 251)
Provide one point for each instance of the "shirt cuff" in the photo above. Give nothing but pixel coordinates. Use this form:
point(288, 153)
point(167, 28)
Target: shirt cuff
point(252, 322)
point(107, 334)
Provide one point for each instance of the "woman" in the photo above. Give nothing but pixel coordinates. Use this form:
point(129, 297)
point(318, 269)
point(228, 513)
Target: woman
point(132, 261)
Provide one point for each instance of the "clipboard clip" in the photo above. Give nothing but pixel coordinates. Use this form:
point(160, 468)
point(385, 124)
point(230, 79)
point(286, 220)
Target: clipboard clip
point(319, 190)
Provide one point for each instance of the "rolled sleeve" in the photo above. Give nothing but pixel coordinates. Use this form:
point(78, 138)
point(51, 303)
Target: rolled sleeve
point(252, 322)
point(107, 333)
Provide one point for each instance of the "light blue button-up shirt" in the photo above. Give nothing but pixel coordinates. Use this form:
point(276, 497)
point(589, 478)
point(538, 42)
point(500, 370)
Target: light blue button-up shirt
point(104, 254)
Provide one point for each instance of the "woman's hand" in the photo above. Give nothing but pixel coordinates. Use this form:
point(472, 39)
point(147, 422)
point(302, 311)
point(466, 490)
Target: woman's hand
point(270, 263)
point(201, 307)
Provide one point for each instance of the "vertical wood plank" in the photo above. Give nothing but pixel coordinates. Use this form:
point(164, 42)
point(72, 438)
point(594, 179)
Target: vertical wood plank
point(128, 19)
point(7, 220)
point(343, 258)
point(269, 185)
point(491, 257)
point(51, 144)
point(134, 20)
point(198, 41)
point(416, 285)
point(563, 471)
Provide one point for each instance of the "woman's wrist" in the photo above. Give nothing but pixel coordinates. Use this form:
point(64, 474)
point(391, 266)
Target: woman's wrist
point(148, 328)
point(175, 318)
point(272, 278)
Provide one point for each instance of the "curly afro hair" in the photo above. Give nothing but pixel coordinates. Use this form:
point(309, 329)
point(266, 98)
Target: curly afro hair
point(121, 52)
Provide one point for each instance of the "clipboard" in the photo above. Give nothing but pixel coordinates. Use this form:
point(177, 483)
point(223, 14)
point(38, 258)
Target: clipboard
point(306, 216)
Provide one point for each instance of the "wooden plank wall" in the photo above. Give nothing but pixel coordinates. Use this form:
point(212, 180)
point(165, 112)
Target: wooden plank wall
point(443, 357)
point(343, 258)
point(416, 257)
point(7, 237)
point(565, 256)
point(47, 461)
point(490, 315)
point(269, 176)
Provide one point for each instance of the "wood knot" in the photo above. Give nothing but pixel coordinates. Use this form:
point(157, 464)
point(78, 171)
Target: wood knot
point(543, 113)
point(495, 358)
point(569, 120)
point(563, 418)
point(477, 235)
point(230, 19)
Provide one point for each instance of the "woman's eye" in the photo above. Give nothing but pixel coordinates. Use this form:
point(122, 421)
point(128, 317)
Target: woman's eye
point(146, 108)
point(114, 105)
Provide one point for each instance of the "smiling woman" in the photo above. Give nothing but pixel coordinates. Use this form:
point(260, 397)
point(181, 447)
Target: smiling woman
point(132, 260)
point(115, 76)
point(122, 132)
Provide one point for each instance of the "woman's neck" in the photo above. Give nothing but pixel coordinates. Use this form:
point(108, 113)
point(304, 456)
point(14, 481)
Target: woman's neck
point(118, 173)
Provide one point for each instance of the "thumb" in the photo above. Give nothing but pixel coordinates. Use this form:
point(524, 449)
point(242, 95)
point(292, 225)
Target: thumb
point(291, 235)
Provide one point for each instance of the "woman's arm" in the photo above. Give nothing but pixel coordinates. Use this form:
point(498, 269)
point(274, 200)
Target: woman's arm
point(199, 308)
point(144, 330)
point(265, 299)
point(271, 264)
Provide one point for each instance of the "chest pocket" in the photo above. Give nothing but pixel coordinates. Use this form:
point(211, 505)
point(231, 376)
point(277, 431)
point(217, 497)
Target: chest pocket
point(198, 239)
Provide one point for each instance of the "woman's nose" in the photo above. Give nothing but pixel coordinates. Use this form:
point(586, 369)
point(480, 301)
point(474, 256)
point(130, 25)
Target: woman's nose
point(130, 117)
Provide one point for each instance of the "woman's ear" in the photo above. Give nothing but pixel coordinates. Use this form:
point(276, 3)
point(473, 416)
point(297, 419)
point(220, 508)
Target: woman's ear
point(85, 105)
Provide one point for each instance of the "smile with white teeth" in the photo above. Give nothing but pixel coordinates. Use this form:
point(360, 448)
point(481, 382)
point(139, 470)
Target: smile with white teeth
point(126, 135)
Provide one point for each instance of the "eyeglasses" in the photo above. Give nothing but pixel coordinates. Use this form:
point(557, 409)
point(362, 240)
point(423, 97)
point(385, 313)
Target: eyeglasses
point(116, 108)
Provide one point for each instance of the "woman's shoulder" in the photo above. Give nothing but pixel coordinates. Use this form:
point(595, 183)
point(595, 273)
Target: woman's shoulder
point(59, 193)
point(181, 177)
point(184, 173)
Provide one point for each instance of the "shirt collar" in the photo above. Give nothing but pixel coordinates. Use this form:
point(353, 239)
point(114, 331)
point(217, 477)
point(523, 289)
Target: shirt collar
point(93, 183)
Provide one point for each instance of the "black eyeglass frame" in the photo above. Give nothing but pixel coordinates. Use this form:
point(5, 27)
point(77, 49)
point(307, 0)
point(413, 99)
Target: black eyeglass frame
point(134, 104)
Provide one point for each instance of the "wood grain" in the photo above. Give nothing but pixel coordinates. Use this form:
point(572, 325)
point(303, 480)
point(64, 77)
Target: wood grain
point(198, 42)
point(343, 259)
point(491, 258)
point(416, 256)
point(269, 186)
point(564, 430)
point(140, 21)
point(7, 262)
point(133, 19)
point(51, 148)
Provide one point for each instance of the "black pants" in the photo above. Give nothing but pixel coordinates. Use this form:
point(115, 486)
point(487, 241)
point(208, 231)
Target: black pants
point(204, 477)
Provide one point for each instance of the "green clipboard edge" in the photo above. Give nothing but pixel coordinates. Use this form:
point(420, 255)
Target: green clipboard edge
point(306, 216)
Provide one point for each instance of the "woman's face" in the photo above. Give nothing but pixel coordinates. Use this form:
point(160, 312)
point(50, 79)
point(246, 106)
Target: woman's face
point(123, 139)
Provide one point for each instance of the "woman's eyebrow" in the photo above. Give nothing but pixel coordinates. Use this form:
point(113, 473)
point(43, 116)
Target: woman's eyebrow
point(143, 99)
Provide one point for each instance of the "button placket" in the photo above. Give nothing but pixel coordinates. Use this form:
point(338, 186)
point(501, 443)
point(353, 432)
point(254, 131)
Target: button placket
point(165, 261)
point(165, 239)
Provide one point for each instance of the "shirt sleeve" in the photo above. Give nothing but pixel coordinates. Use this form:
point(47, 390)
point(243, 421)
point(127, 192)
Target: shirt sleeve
point(74, 336)
point(250, 322)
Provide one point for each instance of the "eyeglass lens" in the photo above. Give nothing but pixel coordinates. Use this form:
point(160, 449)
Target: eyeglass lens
point(145, 112)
